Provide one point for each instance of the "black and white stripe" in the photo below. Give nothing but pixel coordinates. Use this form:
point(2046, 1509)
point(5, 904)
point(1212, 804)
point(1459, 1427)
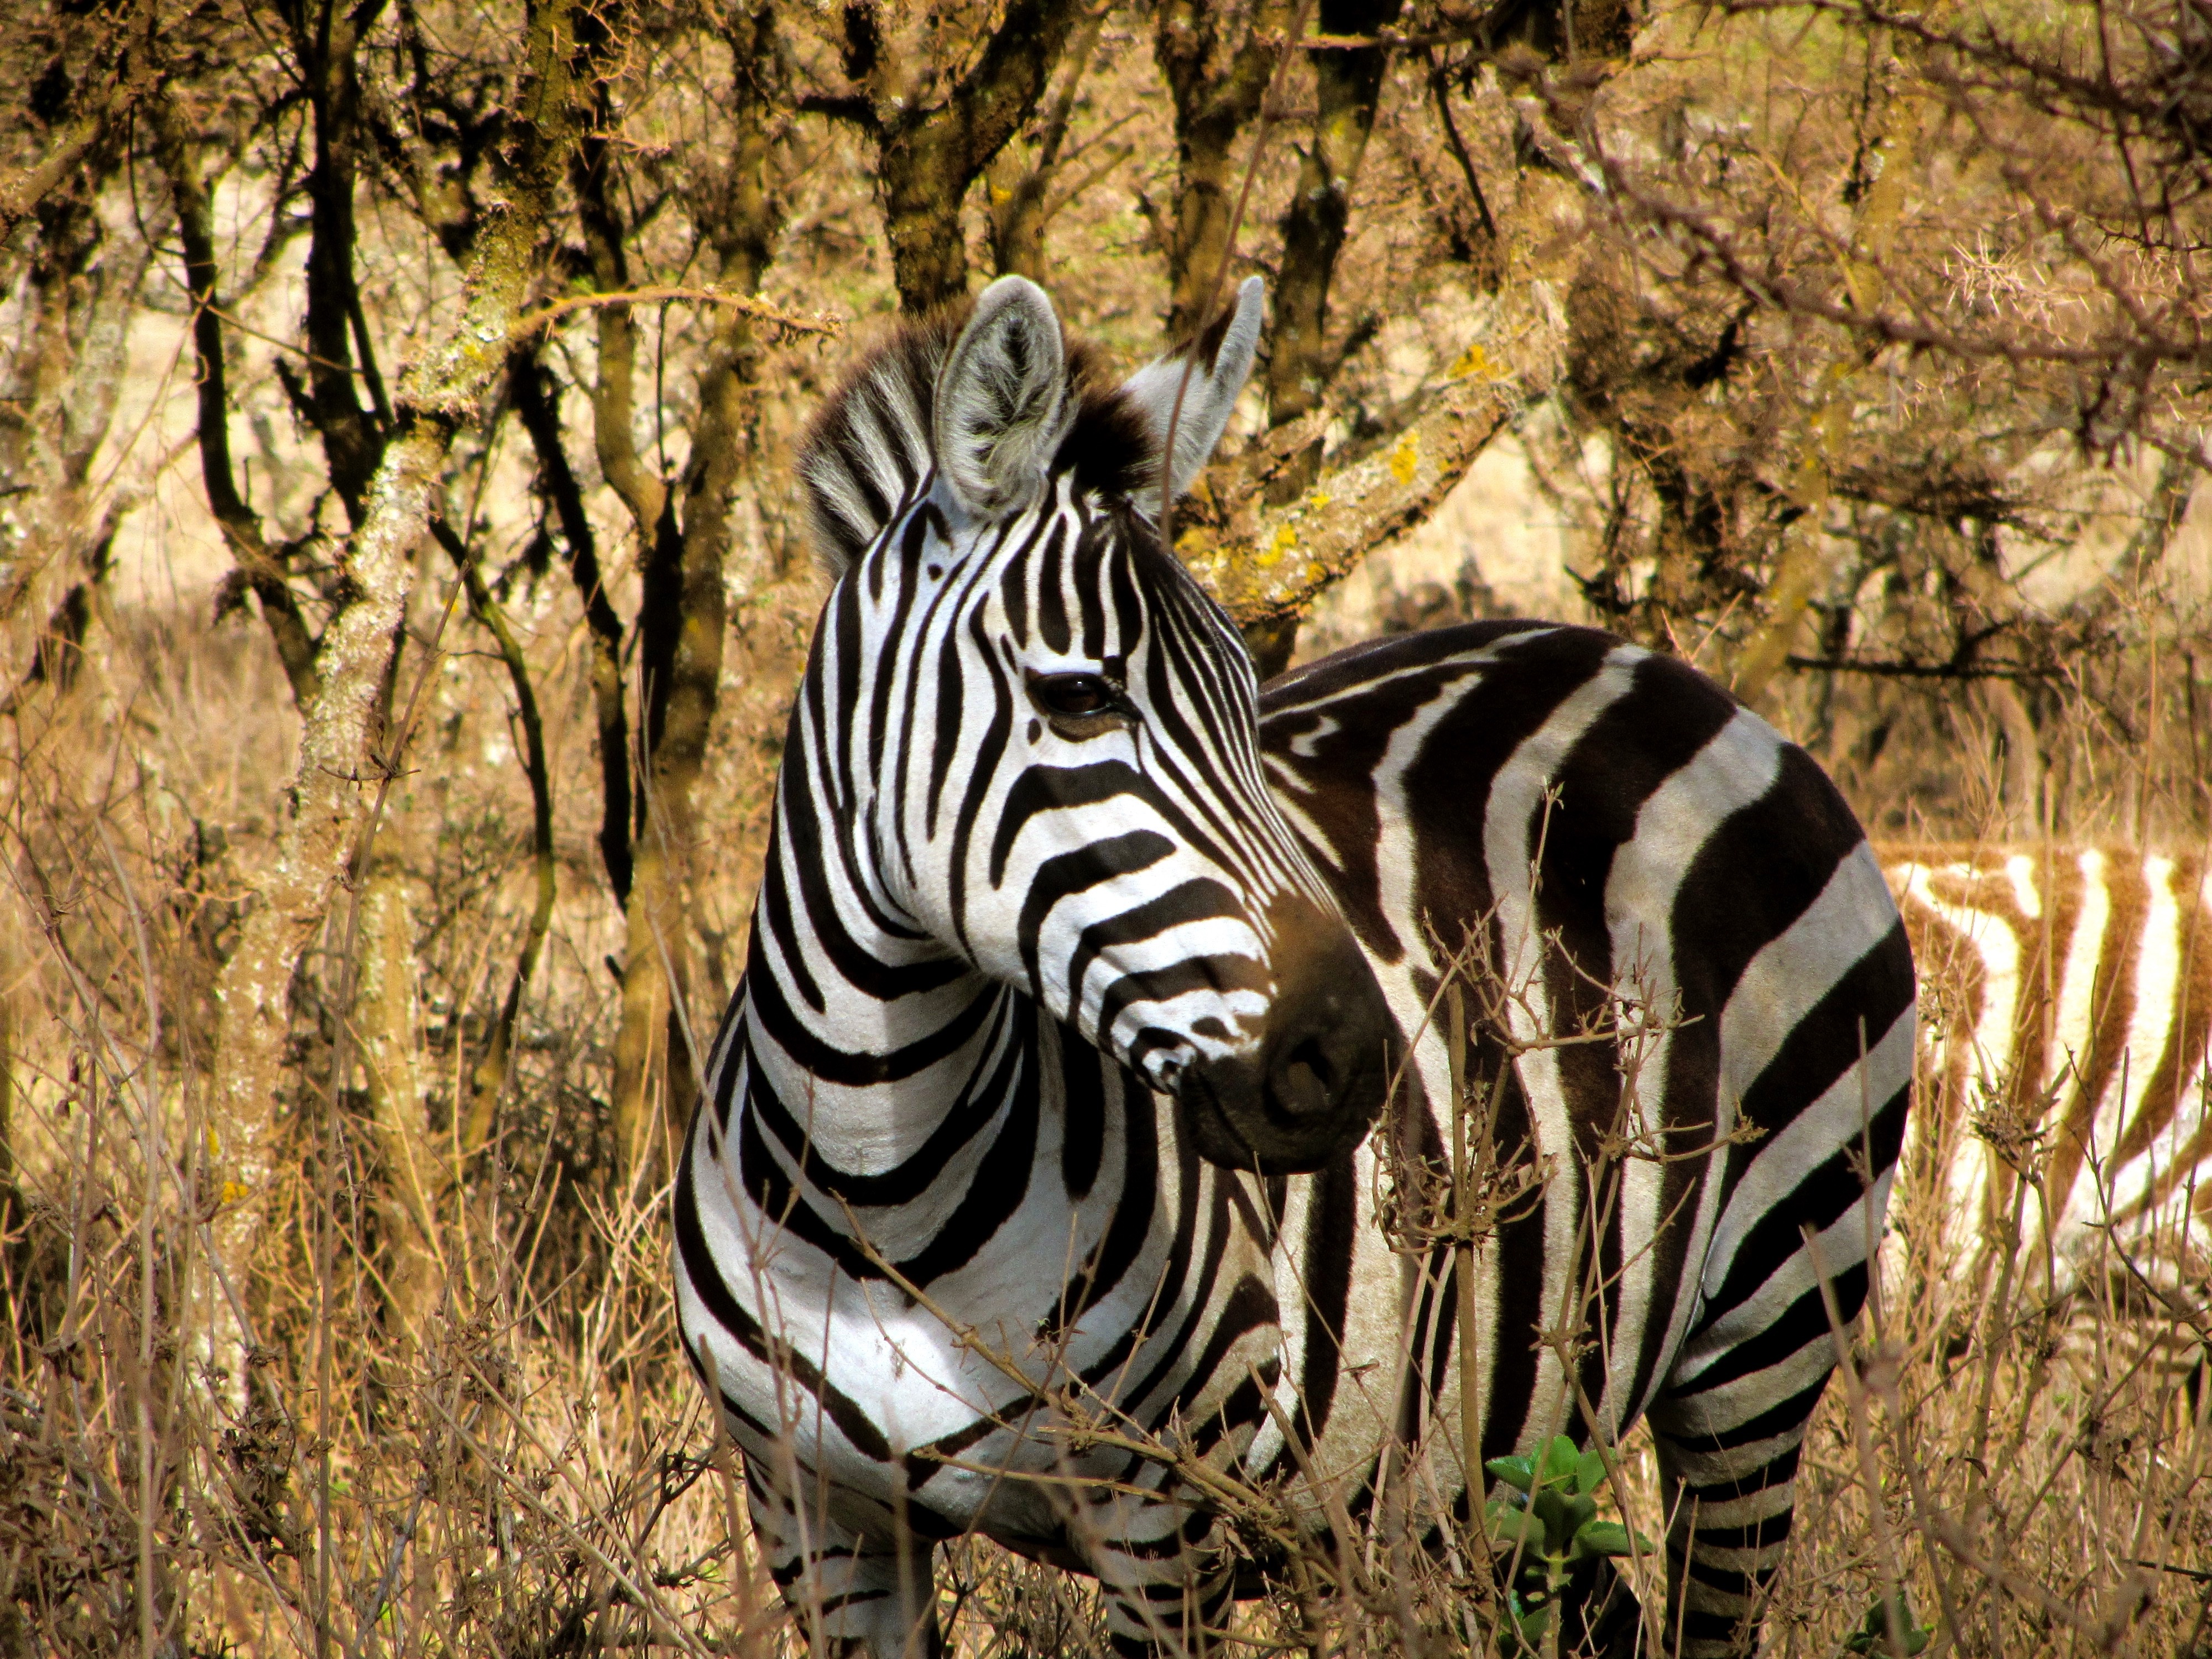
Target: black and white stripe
point(1079, 970)
point(2069, 1037)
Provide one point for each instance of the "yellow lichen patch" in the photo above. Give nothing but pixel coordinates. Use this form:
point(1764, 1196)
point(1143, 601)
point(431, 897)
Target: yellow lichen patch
point(1284, 540)
point(1406, 458)
point(1473, 362)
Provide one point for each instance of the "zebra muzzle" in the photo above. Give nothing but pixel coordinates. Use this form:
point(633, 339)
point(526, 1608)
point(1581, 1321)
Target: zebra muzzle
point(1308, 1091)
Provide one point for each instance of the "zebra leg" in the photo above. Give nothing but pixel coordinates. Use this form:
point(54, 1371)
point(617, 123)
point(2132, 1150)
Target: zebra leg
point(1165, 1579)
point(853, 1594)
point(1731, 1493)
point(1599, 1617)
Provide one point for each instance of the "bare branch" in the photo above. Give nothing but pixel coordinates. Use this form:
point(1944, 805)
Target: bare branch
point(1217, 60)
point(1272, 572)
point(828, 325)
point(296, 647)
point(326, 39)
point(488, 1076)
point(556, 481)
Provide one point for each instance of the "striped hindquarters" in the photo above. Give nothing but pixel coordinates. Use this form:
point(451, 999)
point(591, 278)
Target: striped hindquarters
point(2069, 1006)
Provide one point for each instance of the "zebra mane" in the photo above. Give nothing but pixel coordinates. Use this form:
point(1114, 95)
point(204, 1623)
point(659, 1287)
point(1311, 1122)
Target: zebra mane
point(867, 458)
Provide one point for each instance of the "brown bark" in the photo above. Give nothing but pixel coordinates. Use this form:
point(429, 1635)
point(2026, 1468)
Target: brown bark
point(261, 565)
point(326, 41)
point(928, 153)
point(614, 400)
point(1347, 85)
point(680, 623)
point(1788, 596)
point(1217, 60)
point(1577, 29)
point(1024, 199)
point(78, 289)
point(387, 1021)
point(557, 482)
point(118, 68)
point(328, 802)
point(1269, 568)
point(1302, 359)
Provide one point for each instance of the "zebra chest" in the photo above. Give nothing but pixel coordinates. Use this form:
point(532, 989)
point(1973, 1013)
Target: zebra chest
point(985, 1329)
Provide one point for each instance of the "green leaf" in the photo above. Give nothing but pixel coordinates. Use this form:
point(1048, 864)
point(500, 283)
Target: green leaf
point(1589, 1472)
point(1872, 1635)
point(1518, 1472)
point(1580, 1512)
point(1508, 1528)
point(1601, 1538)
point(1550, 1504)
point(1529, 1624)
point(1560, 1460)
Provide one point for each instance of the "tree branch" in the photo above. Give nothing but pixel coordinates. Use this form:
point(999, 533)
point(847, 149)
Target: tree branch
point(1020, 205)
point(296, 647)
point(1217, 91)
point(488, 1076)
point(928, 157)
point(352, 438)
point(1347, 85)
point(614, 396)
point(826, 324)
point(59, 651)
point(556, 481)
point(1270, 571)
point(680, 623)
point(61, 152)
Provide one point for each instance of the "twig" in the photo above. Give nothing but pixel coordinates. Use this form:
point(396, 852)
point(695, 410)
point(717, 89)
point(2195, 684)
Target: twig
point(826, 324)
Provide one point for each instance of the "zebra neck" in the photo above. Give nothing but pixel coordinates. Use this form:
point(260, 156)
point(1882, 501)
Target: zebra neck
point(876, 1097)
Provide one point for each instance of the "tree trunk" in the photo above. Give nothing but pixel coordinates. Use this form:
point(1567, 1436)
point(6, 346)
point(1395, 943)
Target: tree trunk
point(1217, 60)
point(387, 1019)
point(680, 626)
point(341, 763)
point(1347, 86)
point(928, 156)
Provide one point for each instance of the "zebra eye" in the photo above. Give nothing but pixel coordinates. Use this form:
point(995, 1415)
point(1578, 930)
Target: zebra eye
point(1077, 696)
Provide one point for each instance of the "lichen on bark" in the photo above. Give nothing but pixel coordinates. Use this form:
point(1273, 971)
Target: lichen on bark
point(345, 756)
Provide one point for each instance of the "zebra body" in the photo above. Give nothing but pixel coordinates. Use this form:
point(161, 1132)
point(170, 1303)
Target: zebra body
point(1033, 1136)
point(2069, 992)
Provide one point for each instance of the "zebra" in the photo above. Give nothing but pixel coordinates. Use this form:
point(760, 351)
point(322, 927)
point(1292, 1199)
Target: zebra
point(2069, 1035)
point(1031, 1193)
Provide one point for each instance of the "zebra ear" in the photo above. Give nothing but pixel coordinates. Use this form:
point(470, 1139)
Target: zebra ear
point(1002, 404)
point(1224, 357)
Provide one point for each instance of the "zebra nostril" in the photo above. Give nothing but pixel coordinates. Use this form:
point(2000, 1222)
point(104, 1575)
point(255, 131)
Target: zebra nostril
point(1303, 1085)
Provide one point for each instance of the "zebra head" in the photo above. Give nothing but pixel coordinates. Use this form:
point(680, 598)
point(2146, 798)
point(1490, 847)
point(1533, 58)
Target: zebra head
point(1045, 732)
